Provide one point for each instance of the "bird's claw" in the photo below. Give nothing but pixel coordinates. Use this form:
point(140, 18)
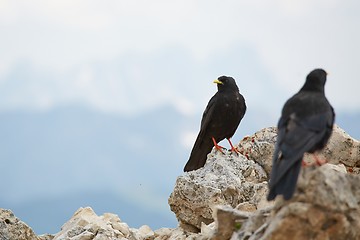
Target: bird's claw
point(235, 150)
point(219, 148)
point(319, 162)
point(305, 164)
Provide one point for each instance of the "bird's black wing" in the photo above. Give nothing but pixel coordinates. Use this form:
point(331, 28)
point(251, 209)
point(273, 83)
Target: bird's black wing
point(295, 137)
point(208, 113)
point(203, 143)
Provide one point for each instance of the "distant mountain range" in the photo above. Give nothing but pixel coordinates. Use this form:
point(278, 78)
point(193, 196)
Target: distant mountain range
point(56, 161)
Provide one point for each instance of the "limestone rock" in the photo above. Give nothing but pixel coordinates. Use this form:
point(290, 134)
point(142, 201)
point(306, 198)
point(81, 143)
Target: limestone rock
point(227, 221)
point(341, 148)
point(178, 234)
point(46, 237)
point(325, 206)
point(144, 232)
point(85, 224)
point(198, 192)
point(260, 147)
point(254, 226)
point(12, 228)
point(226, 179)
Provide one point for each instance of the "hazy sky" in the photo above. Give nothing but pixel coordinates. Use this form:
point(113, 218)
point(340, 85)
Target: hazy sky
point(114, 55)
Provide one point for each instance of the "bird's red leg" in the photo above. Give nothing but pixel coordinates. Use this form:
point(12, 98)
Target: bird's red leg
point(232, 147)
point(217, 147)
point(318, 161)
point(304, 164)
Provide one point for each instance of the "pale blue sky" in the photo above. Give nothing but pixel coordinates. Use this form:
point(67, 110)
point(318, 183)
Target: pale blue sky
point(53, 50)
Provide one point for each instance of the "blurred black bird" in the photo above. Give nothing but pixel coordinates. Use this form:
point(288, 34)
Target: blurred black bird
point(220, 120)
point(305, 126)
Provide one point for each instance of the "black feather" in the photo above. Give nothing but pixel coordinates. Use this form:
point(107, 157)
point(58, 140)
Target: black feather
point(220, 120)
point(305, 126)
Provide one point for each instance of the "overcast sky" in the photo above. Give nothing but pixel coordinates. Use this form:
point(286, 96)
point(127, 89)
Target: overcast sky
point(127, 56)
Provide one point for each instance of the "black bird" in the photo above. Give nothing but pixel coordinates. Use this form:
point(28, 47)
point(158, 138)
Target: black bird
point(305, 126)
point(220, 120)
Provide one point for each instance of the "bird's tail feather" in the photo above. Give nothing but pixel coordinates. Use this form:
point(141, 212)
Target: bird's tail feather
point(287, 184)
point(201, 149)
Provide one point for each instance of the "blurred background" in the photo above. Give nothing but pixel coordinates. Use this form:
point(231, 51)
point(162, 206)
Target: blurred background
point(101, 101)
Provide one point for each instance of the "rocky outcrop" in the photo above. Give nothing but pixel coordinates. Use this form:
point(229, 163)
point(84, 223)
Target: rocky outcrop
point(12, 228)
point(85, 224)
point(197, 194)
point(226, 199)
point(325, 206)
point(341, 149)
point(226, 179)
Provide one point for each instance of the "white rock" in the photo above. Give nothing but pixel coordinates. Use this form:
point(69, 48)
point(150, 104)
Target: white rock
point(122, 227)
point(325, 206)
point(146, 231)
point(225, 179)
point(85, 224)
point(341, 149)
point(13, 228)
point(207, 230)
point(339, 167)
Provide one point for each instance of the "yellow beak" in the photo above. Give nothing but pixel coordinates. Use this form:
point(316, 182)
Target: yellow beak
point(218, 82)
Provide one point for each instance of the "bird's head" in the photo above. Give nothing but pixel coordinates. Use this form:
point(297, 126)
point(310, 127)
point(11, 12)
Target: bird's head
point(315, 80)
point(226, 83)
